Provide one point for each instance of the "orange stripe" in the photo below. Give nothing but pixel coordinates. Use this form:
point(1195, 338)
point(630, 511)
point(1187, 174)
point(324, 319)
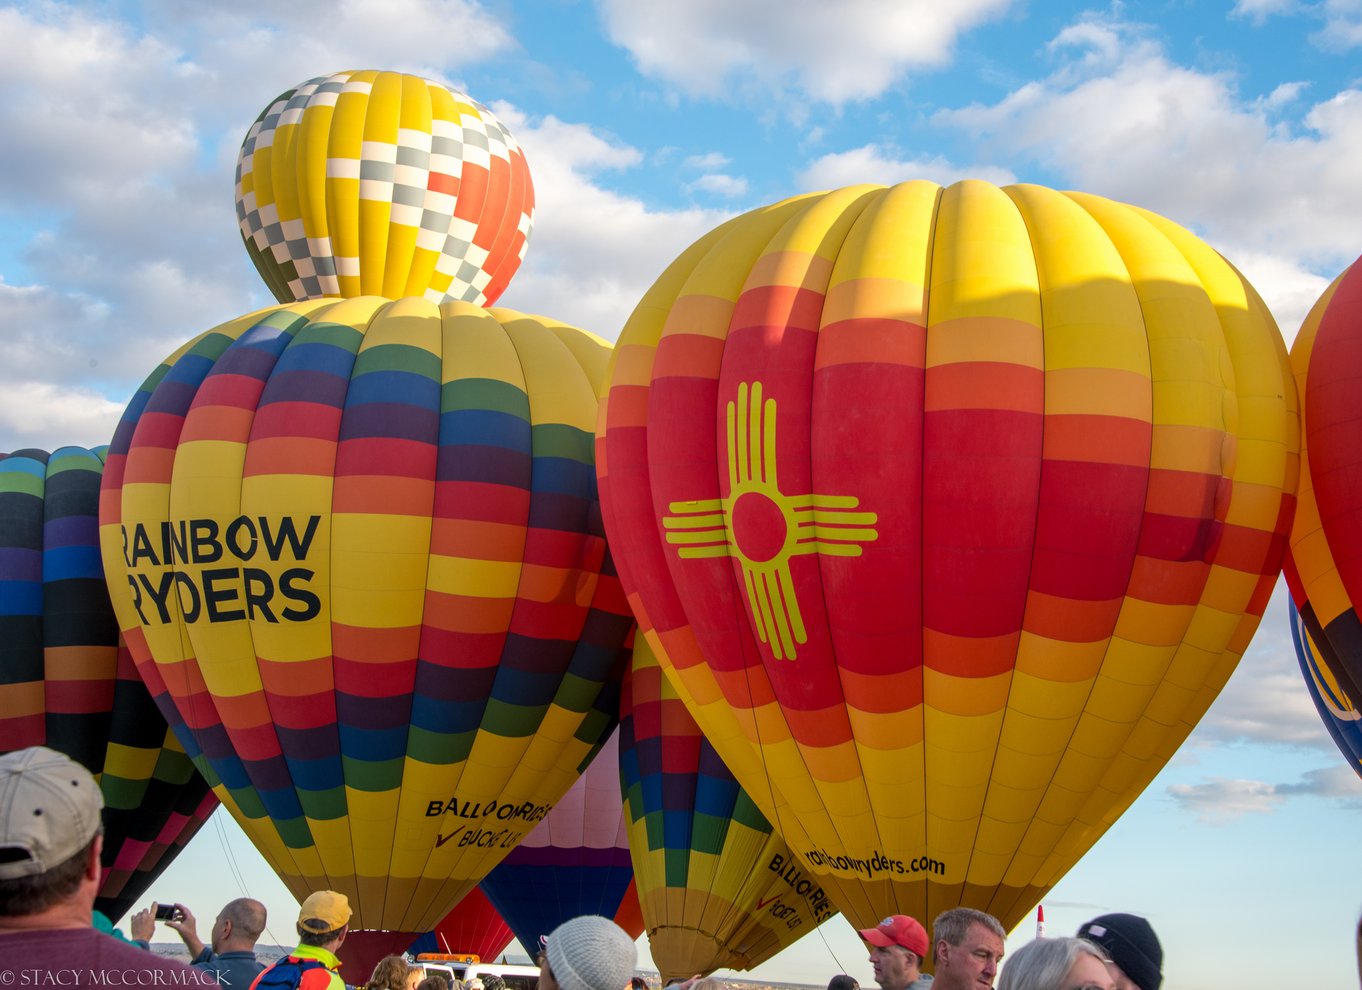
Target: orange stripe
point(698, 314)
point(1069, 620)
point(80, 663)
point(475, 538)
point(1097, 440)
point(968, 656)
point(984, 385)
point(290, 455)
point(1168, 582)
point(382, 645)
point(879, 340)
point(243, 711)
point(296, 679)
point(385, 494)
point(882, 693)
point(460, 613)
point(230, 423)
point(151, 465)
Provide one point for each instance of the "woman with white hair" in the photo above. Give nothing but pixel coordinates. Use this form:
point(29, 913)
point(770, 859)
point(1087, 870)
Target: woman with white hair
point(587, 953)
point(1057, 964)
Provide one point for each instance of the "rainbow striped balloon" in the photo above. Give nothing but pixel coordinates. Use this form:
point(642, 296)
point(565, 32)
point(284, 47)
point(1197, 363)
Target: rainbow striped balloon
point(68, 682)
point(718, 889)
point(385, 184)
point(357, 544)
point(950, 510)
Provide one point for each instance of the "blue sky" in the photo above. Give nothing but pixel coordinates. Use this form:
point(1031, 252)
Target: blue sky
point(645, 124)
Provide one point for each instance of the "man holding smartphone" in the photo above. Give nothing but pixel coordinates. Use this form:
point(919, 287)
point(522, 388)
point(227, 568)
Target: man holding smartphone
point(230, 956)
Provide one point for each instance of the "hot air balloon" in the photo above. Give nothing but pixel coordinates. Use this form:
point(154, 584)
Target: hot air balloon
point(575, 862)
point(474, 927)
point(718, 888)
point(949, 511)
point(1337, 711)
point(385, 184)
point(70, 684)
point(358, 545)
point(1324, 566)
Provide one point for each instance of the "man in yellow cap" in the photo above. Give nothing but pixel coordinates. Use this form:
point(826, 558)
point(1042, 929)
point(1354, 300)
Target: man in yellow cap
point(323, 922)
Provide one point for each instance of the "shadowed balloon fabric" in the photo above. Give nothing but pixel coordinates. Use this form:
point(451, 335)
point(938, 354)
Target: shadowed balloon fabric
point(575, 862)
point(1336, 710)
point(950, 511)
point(718, 889)
point(67, 681)
point(380, 183)
point(357, 545)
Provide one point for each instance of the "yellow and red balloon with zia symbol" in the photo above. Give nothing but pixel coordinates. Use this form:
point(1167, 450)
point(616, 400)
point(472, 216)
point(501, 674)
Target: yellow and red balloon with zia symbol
point(949, 511)
point(356, 545)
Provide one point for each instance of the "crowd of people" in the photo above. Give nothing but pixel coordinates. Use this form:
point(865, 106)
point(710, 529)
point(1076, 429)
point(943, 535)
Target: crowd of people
point(51, 839)
point(1113, 952)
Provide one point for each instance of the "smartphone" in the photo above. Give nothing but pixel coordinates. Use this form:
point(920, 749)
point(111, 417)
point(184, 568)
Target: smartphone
point(167, 912)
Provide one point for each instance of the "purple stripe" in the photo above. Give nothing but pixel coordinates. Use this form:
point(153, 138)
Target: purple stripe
point(21, 565)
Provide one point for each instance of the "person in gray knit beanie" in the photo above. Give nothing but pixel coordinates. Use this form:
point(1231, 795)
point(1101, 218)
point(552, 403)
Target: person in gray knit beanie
point(587, 953)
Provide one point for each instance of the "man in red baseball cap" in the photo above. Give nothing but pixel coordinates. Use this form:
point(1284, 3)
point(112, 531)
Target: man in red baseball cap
point(898, 945)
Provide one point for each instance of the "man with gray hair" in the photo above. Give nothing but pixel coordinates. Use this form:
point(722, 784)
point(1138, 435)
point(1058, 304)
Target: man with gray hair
point(967, 946)
point(51, 837)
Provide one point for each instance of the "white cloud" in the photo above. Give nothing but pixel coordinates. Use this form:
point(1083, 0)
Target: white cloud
point(1221, 800)
point(707, 162)
point(37, 414)
point(593, 252)
point(119, 147)
point(1342, 25)
point(872, 163)
point(1259, 10)
point(1118, 118)
point(718, 184)
point(831, 52)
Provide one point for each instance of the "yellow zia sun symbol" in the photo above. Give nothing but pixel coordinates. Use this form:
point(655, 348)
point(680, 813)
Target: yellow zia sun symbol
point(763, 527)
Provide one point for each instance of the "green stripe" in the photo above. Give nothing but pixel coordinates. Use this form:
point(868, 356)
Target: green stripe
point(398, 357)
point(374, 776)
point(560, 440)
point(484, 394)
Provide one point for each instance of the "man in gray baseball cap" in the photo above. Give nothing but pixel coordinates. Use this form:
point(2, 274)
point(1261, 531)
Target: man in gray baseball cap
point(51, 837)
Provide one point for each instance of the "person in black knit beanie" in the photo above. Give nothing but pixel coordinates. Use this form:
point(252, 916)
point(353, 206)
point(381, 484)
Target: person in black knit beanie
point(1135, 952)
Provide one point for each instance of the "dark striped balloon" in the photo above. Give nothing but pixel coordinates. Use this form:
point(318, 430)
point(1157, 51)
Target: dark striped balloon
point(68, 682)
